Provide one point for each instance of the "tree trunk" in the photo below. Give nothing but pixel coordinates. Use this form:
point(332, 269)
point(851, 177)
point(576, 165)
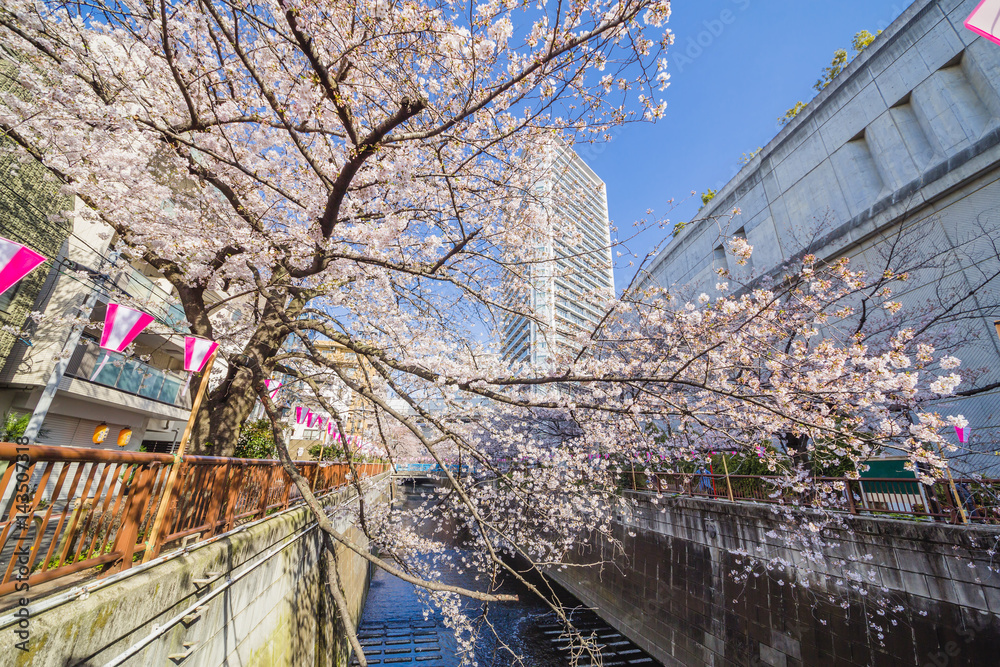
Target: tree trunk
point(220, 419)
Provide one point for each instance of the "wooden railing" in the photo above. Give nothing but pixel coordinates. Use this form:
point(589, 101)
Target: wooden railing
point(905, 498)
point(68, 509)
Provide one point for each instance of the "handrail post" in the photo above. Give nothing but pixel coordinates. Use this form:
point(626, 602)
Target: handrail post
point(312, 475)
point(153, 543)
point(265, 492)
point(318, 479)
point(288, 488)
point(958, 499)
point(234, 483)
point(215, 500)
point(129, 529)
point(729, 487)
point(850, 496)
point(954, 489)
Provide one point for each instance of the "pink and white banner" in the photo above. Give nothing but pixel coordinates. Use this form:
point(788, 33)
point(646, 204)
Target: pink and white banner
point(16, 261)
point(196, 353)
point(301, 414)
point(272, 388)
point(121, 325)
point(962, 433)
point(985, 20)
point(310, 417)
point(319, 422)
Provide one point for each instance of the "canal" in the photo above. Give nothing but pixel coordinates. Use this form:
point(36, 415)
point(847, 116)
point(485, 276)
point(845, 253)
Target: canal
point(397, 628)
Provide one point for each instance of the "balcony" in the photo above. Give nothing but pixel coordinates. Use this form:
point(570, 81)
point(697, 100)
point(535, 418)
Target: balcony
point(154, 299)
point(128, 375)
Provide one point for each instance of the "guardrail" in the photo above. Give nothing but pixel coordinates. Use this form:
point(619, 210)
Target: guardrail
point(154, 299)
point(68, 509)
point(907, 498)
point(429, 468)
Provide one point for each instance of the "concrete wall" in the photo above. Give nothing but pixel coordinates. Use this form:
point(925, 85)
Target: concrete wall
point(276, 615)
point(910, 118)
point(674, 593)
point(907, 137)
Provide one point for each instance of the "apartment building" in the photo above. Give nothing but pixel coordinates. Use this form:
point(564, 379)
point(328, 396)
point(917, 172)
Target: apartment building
point(357, 415)
point(562, 291)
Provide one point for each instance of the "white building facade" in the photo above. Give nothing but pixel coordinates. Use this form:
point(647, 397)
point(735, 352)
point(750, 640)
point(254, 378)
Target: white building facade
point(562, 292)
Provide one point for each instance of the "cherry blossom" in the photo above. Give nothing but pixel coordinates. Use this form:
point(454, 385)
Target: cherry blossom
point(368, 173)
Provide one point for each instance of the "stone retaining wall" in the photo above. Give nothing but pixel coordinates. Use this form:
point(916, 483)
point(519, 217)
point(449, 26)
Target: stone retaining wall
point(674, 594)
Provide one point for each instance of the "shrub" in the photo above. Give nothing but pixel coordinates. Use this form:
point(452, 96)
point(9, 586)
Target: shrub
point(256, 441)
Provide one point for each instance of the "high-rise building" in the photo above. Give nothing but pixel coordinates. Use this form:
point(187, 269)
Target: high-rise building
point(563, 290)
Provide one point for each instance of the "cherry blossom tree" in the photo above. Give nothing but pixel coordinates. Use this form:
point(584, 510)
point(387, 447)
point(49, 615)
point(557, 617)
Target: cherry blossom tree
point(320, 153)
point(363, 172)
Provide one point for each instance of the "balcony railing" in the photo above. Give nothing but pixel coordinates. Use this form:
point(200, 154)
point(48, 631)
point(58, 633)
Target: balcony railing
point(885, 496)
point(128, 375)
point(69, 509)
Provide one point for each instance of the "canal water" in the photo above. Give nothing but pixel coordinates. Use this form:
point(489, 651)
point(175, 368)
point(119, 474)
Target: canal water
point(395, 631)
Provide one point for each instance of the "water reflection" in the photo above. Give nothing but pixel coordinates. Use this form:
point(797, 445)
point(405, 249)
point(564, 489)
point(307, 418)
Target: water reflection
point(396, 629)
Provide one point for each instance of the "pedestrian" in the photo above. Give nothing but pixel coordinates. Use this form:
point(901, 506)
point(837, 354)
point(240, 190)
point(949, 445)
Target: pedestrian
point(704, 481)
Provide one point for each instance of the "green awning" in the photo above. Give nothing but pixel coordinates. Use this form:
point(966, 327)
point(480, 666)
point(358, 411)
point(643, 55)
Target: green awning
point(888, 468)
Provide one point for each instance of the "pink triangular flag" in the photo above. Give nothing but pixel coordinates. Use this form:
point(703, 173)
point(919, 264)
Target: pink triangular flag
point(121, 325)
point(272, 387)
point(196, 353)
point(985, 20)
point(309, 419)
point(301, 414)
point(16, 261)
point(962, 433)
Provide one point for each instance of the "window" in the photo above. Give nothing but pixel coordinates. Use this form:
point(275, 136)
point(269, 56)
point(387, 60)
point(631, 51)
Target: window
point(742, 234)
point(719, 258)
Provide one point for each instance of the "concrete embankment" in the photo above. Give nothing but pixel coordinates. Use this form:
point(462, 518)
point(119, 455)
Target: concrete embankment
point(252, 597)
point(674, 592)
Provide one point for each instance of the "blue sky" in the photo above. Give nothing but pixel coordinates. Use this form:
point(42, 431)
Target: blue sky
point(732, 75)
